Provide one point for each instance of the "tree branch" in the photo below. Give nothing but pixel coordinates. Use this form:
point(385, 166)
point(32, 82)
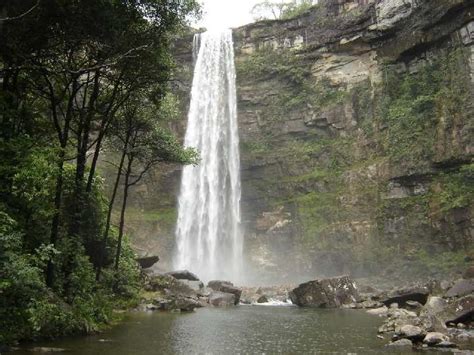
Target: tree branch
point(22, 15)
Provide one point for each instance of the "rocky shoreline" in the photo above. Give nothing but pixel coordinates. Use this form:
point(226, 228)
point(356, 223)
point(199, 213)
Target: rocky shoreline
point(434, 315)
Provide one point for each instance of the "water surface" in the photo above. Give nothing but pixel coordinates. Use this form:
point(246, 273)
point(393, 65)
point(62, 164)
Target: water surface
point(243, 329)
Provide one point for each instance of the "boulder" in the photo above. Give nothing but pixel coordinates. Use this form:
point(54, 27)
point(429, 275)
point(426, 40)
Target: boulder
point(196, 286)
point(461, 287)
point(412, 332)
point(459, 311)
point(183, 275)
point(434, 338)
point(262, 299)
point(147, 261)
point(401, 297)
point(186, 304)
point(326, 293)
point(414, 305)
point(435, 305)
point(446, 345)
point(221, 299)
point(401, 343)
point(226, 287)
point(469, 273)
point(397, 318)
point(382, 311)
point(181, 303)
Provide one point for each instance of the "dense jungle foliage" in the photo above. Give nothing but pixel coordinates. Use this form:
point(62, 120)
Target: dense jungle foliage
point(77, 78)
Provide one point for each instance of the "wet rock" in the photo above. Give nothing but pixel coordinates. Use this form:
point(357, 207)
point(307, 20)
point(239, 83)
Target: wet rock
point(434, 338)
point(462, 335)
point(262, 299)
point(414, 305)
point(401, 343)
point(183, 304)
point(412, 332)
point(226, 287)
point(461, 287)
point(401, 297)
point(369, 304)
point(446, 345)
point(459, 311)
point(41, 349)
point(469, 273)
point(147, 261)
point(435, 305)
point(183, 275)
point(196, 286)
point(186, 304)
point(221, 299)
point(326, 293)
point(151, 307)
point(382, 311)
point(398, 318)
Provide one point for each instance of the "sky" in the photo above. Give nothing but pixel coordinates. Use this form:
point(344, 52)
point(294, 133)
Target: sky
point(220, 14)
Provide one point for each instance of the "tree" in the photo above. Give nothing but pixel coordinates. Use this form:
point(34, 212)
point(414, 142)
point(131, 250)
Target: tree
point(143, 143)
point(280, 10)
point(68, 70)
point(82, 60)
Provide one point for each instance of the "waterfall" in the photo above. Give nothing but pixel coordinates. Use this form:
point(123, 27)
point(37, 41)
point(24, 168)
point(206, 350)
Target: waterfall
point(209, 241)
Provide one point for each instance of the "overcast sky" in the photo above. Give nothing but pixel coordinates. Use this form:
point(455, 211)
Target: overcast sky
point(226, 13)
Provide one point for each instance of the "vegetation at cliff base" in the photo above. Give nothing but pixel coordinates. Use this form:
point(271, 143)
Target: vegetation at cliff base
point(78, 80)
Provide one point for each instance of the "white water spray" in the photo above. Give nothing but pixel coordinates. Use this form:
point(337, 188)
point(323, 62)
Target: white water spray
point(209, 241)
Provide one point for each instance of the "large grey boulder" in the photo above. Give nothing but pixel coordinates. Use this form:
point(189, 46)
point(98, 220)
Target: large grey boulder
point(197, 286)
point(183, 275)
point(326, 293)
point(147, 261)
point(411, 332)
point(226, 287)
point(461, 287)
point(221, 299)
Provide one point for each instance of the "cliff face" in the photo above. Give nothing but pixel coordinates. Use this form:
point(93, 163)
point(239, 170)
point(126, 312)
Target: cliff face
point(356, 126)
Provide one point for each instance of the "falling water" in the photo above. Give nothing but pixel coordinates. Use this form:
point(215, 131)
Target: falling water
point(209, 241)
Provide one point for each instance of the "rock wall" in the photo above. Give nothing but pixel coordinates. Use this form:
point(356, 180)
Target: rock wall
point(356, 125)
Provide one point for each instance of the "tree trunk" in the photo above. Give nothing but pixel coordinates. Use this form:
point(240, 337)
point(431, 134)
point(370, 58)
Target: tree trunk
point(55, 222)
point(103, 247)
point(122, 212)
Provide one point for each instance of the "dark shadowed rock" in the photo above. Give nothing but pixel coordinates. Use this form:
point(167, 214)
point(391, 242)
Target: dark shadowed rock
point(226, 287)
point(459, 311)
point(461, 287)
point(183, 275)
point(147, 261)
point(262, 299)
point(221, 299)
point(402, 296)
point(326, 293)
point(469, 273)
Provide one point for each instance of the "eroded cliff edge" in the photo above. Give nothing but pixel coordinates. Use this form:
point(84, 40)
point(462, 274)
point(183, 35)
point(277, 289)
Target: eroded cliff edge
point(356, 127)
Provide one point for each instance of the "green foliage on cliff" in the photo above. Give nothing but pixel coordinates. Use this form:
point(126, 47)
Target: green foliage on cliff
point(415, 106)
point(412, 123)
